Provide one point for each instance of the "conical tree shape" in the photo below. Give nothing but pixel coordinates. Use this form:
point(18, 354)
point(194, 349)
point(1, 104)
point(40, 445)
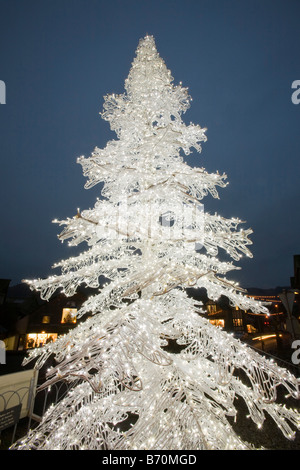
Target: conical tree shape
point(151, 238)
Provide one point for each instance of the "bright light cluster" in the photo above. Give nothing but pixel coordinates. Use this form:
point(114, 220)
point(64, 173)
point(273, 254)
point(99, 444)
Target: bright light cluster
point(149, 236)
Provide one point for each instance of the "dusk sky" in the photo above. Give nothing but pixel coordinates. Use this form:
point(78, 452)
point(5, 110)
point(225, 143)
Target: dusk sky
point(239, 58)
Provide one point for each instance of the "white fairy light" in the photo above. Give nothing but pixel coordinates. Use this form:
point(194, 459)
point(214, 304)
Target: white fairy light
point(179, 401)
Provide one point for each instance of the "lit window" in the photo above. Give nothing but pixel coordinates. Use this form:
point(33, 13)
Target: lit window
point(46, 319)
point(219, 322)
point(211, 308)
point(251, 329)
point(36, 340)
point(69, 315)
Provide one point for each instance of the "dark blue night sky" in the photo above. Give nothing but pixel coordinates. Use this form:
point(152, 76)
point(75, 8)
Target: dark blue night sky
point(239, 59)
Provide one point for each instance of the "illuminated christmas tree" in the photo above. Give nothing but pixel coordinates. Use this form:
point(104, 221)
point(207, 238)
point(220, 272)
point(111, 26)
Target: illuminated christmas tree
point(149, 236)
